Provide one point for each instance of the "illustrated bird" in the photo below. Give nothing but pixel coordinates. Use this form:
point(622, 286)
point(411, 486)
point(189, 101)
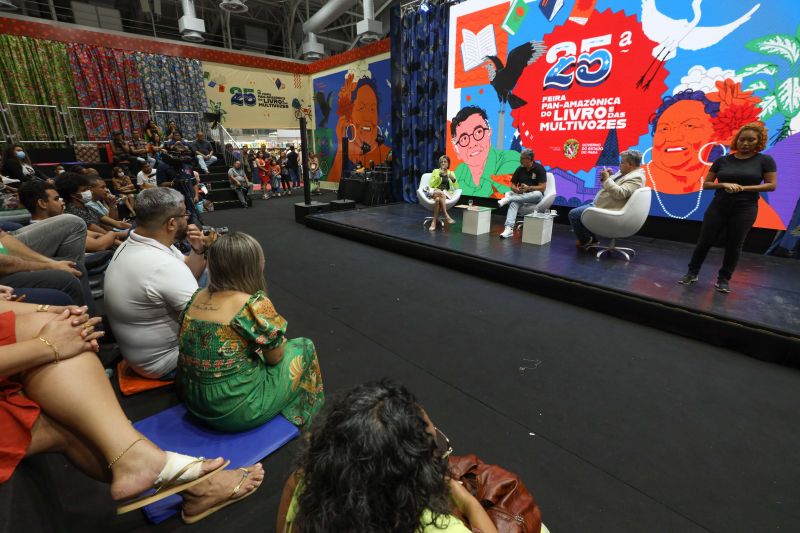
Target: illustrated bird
point(672, 34)
point(325, 104)
point(505, 78)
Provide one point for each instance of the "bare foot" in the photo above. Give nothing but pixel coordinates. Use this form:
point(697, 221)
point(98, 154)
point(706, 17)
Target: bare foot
point(138, 469)
point(450, 221)
point(432, 228)
point(218, 489)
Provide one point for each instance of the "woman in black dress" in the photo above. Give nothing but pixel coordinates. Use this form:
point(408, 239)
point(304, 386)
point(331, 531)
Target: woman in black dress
point(738, 179)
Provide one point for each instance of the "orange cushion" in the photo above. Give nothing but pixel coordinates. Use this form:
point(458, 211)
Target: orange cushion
point(132, 383)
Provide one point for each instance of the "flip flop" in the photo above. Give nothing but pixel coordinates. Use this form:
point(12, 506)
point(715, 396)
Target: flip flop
point(177, 471)
point(231, 499)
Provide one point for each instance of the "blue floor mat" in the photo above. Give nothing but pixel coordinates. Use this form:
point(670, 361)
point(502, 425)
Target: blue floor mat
point(176, 430)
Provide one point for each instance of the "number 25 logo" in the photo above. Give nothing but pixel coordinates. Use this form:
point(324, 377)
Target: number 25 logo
point(589, 69)
point(242, 97)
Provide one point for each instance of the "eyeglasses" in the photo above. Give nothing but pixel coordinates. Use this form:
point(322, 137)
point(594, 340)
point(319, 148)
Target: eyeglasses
point(443, 448)
point(187, 214)
point(478, 133)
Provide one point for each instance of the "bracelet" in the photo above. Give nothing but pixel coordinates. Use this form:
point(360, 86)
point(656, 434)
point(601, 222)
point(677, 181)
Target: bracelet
point(57, 358)
point(203, 252)
point(42, 308)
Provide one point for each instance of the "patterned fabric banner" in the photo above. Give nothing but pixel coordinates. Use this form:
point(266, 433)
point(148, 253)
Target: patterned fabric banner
point(107, 78)
point(35, 72)
point(173, 84)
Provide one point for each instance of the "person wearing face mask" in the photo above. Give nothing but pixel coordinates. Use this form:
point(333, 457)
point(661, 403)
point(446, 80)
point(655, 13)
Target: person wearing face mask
point(17, 165)
point(442, 186)
point(738, 179)
point(125, 188)
point(74, 189)
point(149, 282)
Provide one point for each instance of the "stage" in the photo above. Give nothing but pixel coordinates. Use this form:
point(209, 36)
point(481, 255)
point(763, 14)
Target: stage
point(761, 317)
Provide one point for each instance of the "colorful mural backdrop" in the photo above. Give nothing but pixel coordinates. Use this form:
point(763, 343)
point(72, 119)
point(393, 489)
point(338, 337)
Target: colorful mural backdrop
point(578, 81)
point(255, 98)
point(353, 102)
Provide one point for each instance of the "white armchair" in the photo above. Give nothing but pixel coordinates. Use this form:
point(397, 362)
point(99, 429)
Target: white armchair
point(428, 203)
point(618, 224)
point(547, 201)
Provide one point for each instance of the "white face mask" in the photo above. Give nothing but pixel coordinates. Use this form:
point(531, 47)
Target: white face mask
point(86, 196)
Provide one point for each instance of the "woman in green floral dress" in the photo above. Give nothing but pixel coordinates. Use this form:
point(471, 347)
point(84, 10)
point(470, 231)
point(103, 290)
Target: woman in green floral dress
point(236, 368)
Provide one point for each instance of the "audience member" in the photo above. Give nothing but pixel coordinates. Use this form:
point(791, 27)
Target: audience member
point(239, 183)
point(139, 148)
point(106, 205)
point(293, 166)
point(275, 177)
point(286, 179)
point(374, 461)
point(124, 187)
point(204, 150)
point(149, 282)
point(20, 266)
point(263, 175)
point(17, 165)
point(738, 179)
point(58, 399)
point(237, 369)
point(181, 175)
point(247, 159)
point(152, 133)
point(442, 186)
point(57, 171)
point(314, 174)
point(74, 189)
point(614, 193)
point(146, 178)
point(527, 187)
point(121, 149)
point(172, 127)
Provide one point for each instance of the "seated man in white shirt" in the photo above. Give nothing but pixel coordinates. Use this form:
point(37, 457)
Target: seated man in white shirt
point(146, 178)
point(149, 282)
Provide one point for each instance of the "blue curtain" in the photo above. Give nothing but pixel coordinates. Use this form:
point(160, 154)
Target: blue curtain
point(173, 84)
point(419, 85)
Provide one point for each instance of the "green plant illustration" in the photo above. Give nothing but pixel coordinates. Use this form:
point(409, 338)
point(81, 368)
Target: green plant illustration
point(782, 92)
point(216, 107)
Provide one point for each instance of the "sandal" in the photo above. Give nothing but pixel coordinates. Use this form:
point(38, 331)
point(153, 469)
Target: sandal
point(179, 473)
point(231, 499)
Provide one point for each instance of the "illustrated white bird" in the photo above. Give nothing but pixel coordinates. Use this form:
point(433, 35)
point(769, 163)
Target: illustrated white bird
point(672, 34)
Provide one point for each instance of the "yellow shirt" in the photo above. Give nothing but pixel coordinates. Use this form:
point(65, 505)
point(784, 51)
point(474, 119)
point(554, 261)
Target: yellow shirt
point(445, 524)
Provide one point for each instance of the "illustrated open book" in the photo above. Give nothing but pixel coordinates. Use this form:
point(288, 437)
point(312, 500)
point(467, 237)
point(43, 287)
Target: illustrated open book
point(476, 47)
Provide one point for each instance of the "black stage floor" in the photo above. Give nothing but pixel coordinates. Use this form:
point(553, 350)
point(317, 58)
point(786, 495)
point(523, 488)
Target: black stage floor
point(761, 317)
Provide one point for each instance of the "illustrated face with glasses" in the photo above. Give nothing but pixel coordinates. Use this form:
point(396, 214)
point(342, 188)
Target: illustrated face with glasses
point(472, 141)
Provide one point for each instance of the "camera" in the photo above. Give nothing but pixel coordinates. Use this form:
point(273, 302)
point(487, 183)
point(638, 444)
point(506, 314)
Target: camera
point(220, 231)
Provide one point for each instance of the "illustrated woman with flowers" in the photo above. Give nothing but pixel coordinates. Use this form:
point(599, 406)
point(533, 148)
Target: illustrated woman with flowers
point(236, 369)
point(691, 129)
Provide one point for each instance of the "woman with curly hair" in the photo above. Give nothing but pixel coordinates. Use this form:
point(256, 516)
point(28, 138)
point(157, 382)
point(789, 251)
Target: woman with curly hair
point(738, 179)
point(374, 462)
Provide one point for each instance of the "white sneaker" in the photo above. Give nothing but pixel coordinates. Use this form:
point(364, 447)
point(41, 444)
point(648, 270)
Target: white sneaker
point(507, 233)
point(504, 200)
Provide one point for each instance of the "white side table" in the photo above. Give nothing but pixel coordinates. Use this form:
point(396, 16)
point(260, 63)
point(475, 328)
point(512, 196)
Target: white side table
point(477, 220)
point(537, 228)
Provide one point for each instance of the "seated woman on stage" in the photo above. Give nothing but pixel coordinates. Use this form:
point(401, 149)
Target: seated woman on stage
point(375, 462)
point(55, 397)
point(236, 369)
point(442, 187)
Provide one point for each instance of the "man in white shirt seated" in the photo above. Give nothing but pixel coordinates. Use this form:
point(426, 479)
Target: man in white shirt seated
point(149, 282)
point(146, 178)
point(616, 189)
